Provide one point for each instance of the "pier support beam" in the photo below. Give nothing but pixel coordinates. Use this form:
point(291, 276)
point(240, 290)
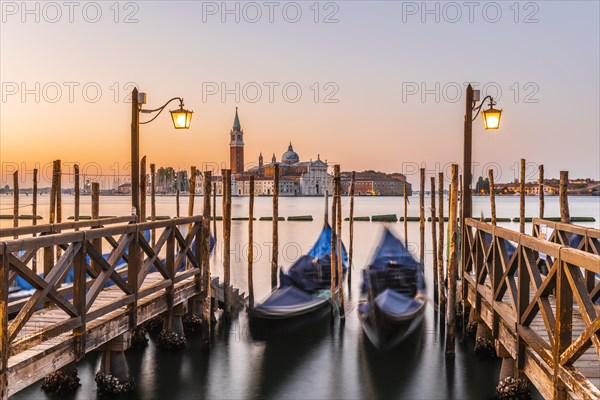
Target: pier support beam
point(138, 337)
point(172, 336)
point(484, 343)
point(65, 380)
point(113, 377)
point(509, 386)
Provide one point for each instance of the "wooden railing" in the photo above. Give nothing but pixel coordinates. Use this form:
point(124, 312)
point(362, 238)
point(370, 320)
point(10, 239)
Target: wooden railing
point(546, 322)
point(81, 252)
point(46, 229)
point(579, 237)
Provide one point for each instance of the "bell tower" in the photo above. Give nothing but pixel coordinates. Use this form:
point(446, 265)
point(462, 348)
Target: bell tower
point(236, 146)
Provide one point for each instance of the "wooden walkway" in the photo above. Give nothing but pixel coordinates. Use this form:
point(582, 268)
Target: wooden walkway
point(59, 324)
point(548, 323)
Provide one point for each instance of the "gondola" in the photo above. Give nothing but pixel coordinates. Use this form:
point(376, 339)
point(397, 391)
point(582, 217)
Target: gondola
point(303, 295)
point(393, 290)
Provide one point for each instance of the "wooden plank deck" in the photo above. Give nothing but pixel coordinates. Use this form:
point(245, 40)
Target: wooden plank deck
point(588, 364)
point(40, 355)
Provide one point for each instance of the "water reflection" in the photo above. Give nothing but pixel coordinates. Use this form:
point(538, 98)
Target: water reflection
point(385, 375)
point(283, 357)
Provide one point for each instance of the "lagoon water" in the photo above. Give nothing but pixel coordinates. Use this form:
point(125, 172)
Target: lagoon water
point(324, 362)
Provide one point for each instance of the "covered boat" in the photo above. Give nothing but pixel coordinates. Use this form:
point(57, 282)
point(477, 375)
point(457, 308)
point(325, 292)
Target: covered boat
point(394, 294)
point(303, 294)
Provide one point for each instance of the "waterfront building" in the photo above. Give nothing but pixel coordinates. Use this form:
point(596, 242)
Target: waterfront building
point(375, 184)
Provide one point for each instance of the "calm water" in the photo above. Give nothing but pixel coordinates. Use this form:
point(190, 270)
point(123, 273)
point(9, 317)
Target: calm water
point(325, 362)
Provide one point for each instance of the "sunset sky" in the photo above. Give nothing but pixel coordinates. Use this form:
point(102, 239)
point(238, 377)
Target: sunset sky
point(379, 83)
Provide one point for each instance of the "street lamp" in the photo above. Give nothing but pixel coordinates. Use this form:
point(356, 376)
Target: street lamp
point(182, 119)
point(491, 121)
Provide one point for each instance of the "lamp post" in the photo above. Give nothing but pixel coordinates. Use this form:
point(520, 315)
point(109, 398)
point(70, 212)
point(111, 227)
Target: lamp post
point(491, 121)
point(182, 119)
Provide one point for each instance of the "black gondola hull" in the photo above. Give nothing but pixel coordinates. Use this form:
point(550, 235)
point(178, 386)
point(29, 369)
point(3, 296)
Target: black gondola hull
point(267, 326)
point(386, 331)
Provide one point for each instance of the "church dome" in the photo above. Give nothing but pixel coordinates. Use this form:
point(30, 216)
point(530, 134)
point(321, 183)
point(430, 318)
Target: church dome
point(290, 156)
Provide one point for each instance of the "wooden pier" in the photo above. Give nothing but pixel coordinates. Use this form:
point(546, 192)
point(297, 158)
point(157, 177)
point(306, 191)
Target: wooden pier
point(548, 323)
point(59, 324)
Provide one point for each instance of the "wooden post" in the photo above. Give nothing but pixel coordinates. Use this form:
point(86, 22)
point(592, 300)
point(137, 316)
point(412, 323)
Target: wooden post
point(192, 192)
point(16, 199)
point(226, 173)
point(492, 195)
point(191, 199)
point(95, 200)
point(274, 259)
point(351, 230)
point(96, 243)
point(214, 211)
point(452, 266)
point(333, 255)
point(49, 250)
point(143, 186)
point(564, 302)
point(251, 243)
point(522, 198)
point(4, 332)
point(339, 259)
point(177, 213)
point(59, 195)
point(422, 217)
point(442, 243)
point(77, 193)
point(171, 271)
point(434, 243)
point(34, 212)
point(405, 217)
point(35, 196)
point(79, 292)
point(206, 295)
point(565, 216)
point(541, 188)
point(52, 216)
point(58, 202)
point(153, 200)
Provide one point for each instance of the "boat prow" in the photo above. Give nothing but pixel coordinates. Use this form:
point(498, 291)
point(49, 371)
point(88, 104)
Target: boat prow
point(287, 310)
point(391, 318)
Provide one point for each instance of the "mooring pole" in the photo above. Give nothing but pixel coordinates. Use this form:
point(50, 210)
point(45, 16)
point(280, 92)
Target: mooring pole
point(34, 212)
point(541, 188)
point(153, 200)
point(351, 231)
point(206, 289)
point(339, 259)
point(565, 215)
point(16, 200)
point(522, 198)
point(332, 254)
point(226, 173)
point(143, 186)
point(76, 193)
point(422, 217)
point(214, 198)
point(59, 197)
point(405, 216)
point(441, 243)
point(492, 195)
point(452, 266)
point(192, 197)
point(251, 243)
point(274, 258)
point(434, 243)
